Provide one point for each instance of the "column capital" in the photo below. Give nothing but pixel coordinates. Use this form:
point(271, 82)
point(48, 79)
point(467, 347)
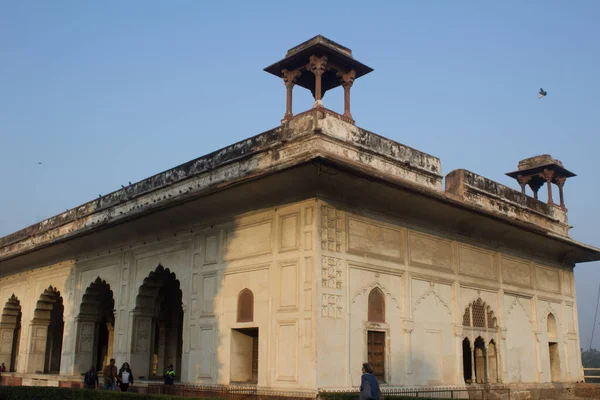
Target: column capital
point(347, 78)
point(289, 77)
point(560, 181)
point(317, 65)
point(547, 175)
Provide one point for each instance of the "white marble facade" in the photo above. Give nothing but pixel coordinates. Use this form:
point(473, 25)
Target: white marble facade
point(309, 269)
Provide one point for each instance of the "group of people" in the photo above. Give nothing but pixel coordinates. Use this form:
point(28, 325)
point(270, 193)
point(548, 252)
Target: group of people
point(369, 387)
point(121, 378)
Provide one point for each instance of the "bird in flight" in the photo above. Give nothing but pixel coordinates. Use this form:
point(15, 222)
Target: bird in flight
point(39, 163)
point(542, 93)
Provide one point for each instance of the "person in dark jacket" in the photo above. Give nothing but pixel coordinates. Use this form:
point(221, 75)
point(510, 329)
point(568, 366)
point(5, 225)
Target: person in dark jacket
point(369, 387)
point(169, 375)
point(90, 379)
point(125, 377)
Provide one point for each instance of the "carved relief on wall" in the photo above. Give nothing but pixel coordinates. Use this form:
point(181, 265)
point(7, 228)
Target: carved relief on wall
point(86, 336)
point(331, 272)
point(142, 334)
point(365, 290)
point(432, 294)
point(331, 306)
point(331, 229)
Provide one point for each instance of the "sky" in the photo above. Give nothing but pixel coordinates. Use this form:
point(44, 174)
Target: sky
point(102, 93)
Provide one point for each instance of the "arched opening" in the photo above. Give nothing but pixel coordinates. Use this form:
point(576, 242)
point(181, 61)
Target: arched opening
point(47, 333)
point(245, 307)
point(467, 361)
point(553, 348)
point(376, 306)
point(551, 326)
point(95, 327)
point(10, 332)
point(492, 362)
point(244, 342)
point(480, 360)
point(158, 325)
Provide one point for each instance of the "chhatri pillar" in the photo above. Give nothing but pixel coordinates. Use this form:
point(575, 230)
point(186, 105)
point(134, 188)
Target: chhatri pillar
point(318, 65)
point(538, 171)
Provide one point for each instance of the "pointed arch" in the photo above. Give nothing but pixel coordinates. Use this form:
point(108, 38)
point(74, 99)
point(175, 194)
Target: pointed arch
point(245, 306)
point(375, 284)
point(551, 325)
point(376, 306)
point(467, 360)
point(10, 331)
point(95, 327)
point(438, 299)
point(480, 354)
point(157, 339)
point(492, 362)
point(46, 331)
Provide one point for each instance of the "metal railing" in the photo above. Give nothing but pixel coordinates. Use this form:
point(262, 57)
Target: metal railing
point(474, 392)
point(235, 392)
point(594, 376)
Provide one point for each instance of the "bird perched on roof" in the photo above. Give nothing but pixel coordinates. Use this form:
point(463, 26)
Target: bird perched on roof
point(542, 93)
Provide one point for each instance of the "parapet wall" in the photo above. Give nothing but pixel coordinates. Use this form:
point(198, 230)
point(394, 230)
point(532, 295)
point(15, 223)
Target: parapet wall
point(499, 199)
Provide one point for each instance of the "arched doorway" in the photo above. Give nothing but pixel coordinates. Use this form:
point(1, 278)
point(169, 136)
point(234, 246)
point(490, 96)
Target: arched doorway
point(95, 327)
point(492, 362)
point(480, 361)
point(158, 325)
point(553, 349)
point(10, 332)
point(47, 333)
point(467, 361)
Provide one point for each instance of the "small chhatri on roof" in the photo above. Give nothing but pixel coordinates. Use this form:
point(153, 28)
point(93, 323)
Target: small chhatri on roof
point(319, 64)
point(535, 171)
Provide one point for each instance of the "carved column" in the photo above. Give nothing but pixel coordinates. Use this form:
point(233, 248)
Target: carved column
point(548, 175)
point(347, 82)
point(111, 340)
point(318, 65)
point(408, 328)
point(560, 182)
point(458, 334)
point(535, 185)
point(289, 79)
point(523, 180)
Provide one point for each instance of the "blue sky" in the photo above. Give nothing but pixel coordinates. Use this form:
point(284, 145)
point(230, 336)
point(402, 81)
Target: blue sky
point(108, 92)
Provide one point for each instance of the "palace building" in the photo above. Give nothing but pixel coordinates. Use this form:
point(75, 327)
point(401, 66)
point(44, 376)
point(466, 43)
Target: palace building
point(288, 259)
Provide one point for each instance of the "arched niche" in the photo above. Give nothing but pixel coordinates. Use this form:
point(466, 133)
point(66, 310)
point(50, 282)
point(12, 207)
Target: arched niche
point(245, 306)
point(10, 332)
point(46, 333)
point(157, 339)
point(95, 327)
point(376, 307)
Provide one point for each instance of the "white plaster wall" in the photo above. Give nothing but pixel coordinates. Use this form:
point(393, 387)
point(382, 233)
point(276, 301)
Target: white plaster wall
point(521, 355)
point(433, 345)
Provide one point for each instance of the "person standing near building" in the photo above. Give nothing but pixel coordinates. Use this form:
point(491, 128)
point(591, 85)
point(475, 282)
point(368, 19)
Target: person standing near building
point(169, 375)
point(125, 377)
point(90, 379)
point(369, 387)
point(110, 375)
